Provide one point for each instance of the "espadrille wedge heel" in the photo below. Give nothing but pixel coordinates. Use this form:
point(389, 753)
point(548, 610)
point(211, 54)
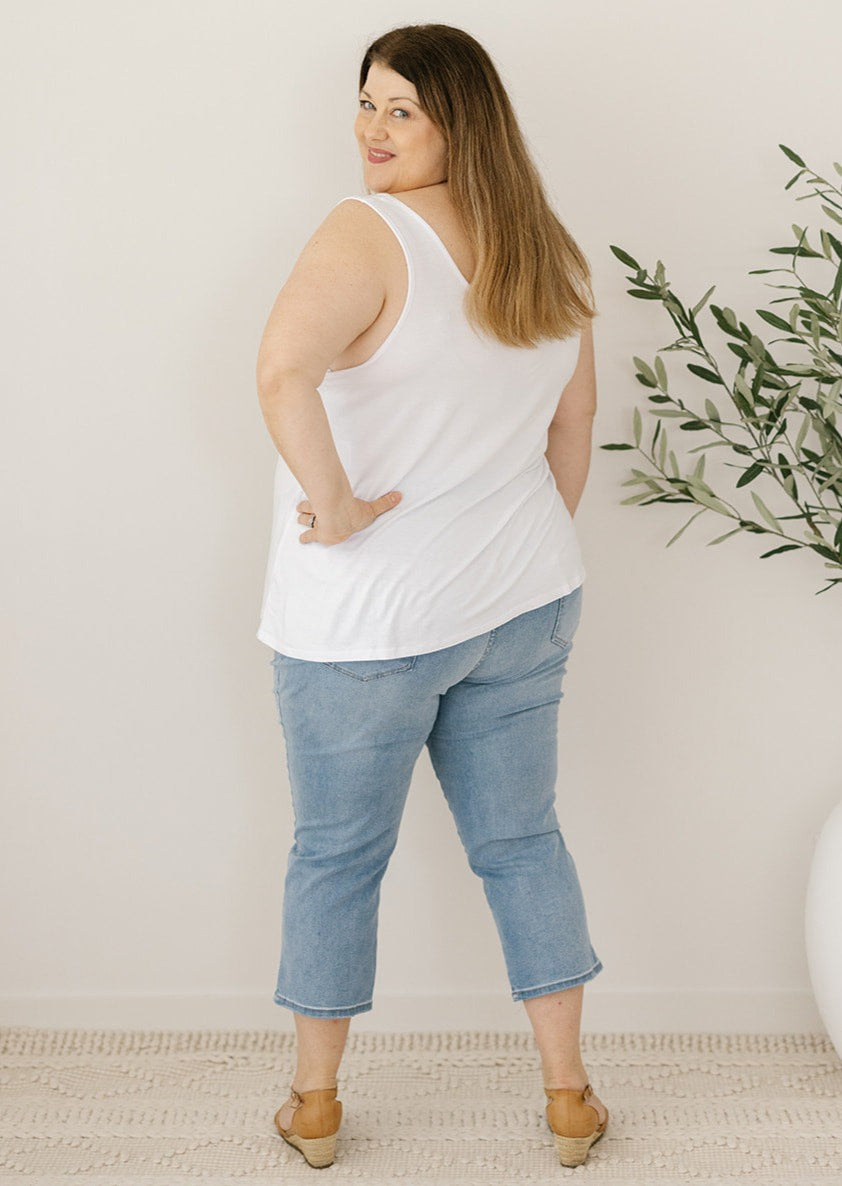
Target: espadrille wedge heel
point(313, 1124)
point(577, 1120)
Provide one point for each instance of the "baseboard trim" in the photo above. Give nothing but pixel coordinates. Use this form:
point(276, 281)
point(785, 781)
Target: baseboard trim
point(604, 1011)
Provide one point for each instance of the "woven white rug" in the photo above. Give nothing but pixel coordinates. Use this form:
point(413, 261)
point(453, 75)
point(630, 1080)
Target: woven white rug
point(166, 1107)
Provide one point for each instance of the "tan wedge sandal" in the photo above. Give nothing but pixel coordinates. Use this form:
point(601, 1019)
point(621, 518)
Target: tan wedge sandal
point(315, 1122)
point(577, 1120)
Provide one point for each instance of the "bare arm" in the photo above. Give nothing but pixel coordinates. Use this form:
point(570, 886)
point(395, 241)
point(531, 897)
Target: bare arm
point(569, 435)
point(334, 293)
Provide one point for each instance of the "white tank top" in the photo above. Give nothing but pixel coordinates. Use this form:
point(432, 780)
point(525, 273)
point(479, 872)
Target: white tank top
point(457, 421)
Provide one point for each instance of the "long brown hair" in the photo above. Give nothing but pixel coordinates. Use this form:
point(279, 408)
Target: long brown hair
point(532, 281)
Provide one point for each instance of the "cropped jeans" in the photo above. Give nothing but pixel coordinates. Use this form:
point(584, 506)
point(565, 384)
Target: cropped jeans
point(487, 710)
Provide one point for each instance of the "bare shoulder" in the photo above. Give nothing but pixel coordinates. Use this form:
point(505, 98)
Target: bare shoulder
point(334, 293)
point(352, 232)
point(585, 363)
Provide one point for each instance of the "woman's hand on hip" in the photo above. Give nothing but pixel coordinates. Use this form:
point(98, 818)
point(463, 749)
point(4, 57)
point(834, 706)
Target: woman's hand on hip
point(344, 522)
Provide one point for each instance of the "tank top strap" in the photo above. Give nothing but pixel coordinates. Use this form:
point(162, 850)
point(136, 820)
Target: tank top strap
point(428, 260)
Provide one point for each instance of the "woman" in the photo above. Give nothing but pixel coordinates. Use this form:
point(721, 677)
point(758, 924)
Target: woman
point(427, 376)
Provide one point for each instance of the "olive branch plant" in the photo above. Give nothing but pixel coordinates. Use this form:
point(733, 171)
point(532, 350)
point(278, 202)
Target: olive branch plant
point(779, 418)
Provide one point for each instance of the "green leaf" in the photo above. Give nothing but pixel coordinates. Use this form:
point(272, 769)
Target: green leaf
point(814, 330)
point(712, 411)
point(681, 530)
point(782, 548)
point(772, 319)
point(702, 302)
point(661, 372)
point(644, 296)
point(703, 373)
point(638, 427)
point(693, 425)
point(793, 156)
point(831, 213)
point(624, 502)
point(750, 474)
point(833, 479)
point(710, 500)
point(802, 433)
point(719, 539)
point(728, 324)
point(625, 258)
point(743, 389)
point(804, 252)
point(662, 450)
point(824, 550)
point(616, 446)
point(739, 351)
point(648, 375)
point(765, 512)
point(710, 445)
point(786, 475)
point(673, 304)
point(830, 398)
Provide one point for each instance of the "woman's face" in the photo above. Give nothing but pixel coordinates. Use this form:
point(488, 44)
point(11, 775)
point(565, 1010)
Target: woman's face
point(400, 146)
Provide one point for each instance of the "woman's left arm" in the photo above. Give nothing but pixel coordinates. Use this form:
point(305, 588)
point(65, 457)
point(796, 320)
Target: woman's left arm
point(569, 434)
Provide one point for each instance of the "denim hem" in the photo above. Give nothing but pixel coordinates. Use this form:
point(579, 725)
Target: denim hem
point(523, 994)
point(348, 1011)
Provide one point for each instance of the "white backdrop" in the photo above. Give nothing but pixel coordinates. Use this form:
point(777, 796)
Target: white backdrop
point(167, 163)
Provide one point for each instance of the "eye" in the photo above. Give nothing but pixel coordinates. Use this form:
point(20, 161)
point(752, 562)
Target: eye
point(365, 104)
point(401, 112)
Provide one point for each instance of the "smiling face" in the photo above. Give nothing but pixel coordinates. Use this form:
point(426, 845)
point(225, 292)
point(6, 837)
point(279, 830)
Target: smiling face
point(400, 146)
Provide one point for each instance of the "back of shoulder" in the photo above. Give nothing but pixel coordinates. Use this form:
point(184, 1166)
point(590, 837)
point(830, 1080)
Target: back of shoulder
point(354, 227)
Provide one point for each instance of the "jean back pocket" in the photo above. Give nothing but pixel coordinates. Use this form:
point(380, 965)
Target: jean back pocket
point(366, 669)
point(567, 618)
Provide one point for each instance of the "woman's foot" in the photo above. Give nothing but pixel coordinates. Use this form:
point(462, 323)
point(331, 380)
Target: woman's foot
point(577, 1118)
point(309, 1121)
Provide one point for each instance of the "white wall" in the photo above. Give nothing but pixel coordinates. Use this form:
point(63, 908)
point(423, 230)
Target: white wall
point(168, 162)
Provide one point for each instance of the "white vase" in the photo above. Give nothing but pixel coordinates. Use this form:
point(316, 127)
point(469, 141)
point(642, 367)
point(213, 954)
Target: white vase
point(823, 925)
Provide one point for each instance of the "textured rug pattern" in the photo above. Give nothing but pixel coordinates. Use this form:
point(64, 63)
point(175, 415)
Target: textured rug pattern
point(165, 1107)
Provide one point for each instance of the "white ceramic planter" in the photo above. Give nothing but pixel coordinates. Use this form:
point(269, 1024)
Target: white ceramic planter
point(823, 925)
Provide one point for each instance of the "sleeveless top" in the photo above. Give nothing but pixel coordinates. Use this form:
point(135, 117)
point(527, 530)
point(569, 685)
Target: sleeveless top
point(457, 421)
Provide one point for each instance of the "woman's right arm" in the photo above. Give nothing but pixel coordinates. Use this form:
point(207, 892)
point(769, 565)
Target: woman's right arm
point(570, 431)
point(334, 293)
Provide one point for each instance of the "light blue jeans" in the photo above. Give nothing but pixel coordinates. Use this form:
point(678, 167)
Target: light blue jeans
point(487, 710)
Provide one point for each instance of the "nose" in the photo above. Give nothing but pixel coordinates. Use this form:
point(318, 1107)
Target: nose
point(375, 129)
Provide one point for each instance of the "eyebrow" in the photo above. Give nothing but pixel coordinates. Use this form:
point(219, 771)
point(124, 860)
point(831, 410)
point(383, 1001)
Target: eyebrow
point(394, 99)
